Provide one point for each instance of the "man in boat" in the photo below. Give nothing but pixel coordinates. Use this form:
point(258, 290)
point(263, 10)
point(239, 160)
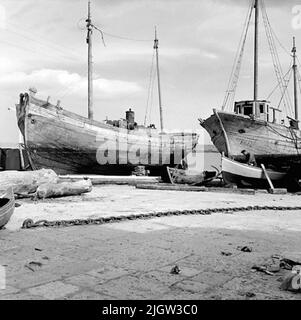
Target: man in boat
point(249, 158)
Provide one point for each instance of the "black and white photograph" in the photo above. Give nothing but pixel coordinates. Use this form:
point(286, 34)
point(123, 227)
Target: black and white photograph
point(150, 151)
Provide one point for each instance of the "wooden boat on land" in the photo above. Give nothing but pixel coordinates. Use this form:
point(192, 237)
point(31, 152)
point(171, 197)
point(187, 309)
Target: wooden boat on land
point(7, 207)
point(71, 144)
point(257, 126)
point(191, 177)
point(244, 175)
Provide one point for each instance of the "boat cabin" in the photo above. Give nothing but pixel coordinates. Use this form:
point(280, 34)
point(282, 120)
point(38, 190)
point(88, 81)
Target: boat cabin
point(259, 109)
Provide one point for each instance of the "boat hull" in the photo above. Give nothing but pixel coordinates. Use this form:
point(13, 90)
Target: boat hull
point(7, 207)
point(71, 144)
point(231, 133)
point(191, 177)
point(244, 175)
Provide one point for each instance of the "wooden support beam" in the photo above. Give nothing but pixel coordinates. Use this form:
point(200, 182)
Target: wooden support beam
point(170, 187)
point(267, 176)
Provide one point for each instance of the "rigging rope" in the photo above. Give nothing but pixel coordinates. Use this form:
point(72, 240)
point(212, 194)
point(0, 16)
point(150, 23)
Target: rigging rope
point(125, 38)
point(234, 76)
point(285, 88)
point(276, 62)
point(269, 96)
point(149, 87)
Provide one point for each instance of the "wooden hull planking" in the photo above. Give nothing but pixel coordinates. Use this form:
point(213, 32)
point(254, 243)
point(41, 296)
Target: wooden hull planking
point(231, 133)
point(69, 143)
point(191, 177)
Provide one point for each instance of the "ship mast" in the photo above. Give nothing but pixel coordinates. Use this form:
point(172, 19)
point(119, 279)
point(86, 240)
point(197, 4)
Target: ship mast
point(90, 70)
point(295, 68)
point(156, 46)
point(256, 6)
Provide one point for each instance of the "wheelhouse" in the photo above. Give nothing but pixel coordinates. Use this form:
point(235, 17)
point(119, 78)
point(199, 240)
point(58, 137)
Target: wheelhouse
point(259, 109)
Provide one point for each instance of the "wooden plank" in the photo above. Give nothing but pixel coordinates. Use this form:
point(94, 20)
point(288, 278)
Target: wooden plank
point(267, 176)
point(231, 190)
point(121, 180)
point(278, 191)
point(170, 187)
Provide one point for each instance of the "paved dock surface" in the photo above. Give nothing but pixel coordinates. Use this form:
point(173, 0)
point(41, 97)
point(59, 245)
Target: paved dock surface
point(114, 200)
point(133, 259)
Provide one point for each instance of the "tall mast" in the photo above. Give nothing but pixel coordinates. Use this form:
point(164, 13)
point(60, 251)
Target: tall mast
point(295, 68)
point(256, 6)
point(156, 46)
point(90, 70)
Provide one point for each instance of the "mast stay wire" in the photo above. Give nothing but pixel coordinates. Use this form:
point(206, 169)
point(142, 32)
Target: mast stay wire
point(150, 87)
point(232, 84)
point(152, 95)
point(278, 84)
point(276, 61)
point(285, 88)
point(23, 32)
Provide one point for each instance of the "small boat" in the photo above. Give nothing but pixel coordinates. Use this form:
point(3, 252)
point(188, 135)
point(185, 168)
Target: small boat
point(244, 175)
point(191, 177)
point(7, 207)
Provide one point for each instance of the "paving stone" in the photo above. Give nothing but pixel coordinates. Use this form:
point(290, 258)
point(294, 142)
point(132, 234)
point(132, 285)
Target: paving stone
point(164, 277)
point(21, 296)
point(53, 290)
point(212, 278)
point(8, 290)
point(89, 295)
point(192, 286)
point(184, 271)
point(31, 279)
point(83, 280)
point(130, 287)
point(107, 273)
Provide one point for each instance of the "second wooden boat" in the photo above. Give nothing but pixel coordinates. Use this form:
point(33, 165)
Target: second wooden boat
point(191, 177)
point(244, 175)
point(268, 131)
point(7, 207)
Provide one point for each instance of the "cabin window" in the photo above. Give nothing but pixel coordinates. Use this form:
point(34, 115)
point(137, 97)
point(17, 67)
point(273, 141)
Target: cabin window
point(261, 108)
point(248, 110)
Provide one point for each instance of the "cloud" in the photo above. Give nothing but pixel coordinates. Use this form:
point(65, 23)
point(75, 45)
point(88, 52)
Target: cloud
point(62, 81)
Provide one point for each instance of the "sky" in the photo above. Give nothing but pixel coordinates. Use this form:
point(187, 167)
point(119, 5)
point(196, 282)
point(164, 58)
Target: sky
point(43, 45)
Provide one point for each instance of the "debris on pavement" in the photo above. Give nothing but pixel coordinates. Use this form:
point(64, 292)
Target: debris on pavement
point(32, 264)
point(263, 269)
point(250, 295)
point(175, 270)
point(244, 249)
point(288, 264)
point(292, 282)
point(225, 253)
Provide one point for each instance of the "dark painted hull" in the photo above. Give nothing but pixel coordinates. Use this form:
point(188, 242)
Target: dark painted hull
point(71, 144)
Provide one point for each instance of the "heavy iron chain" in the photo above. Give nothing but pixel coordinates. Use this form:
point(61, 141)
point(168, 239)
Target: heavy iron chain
point(29, 223)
